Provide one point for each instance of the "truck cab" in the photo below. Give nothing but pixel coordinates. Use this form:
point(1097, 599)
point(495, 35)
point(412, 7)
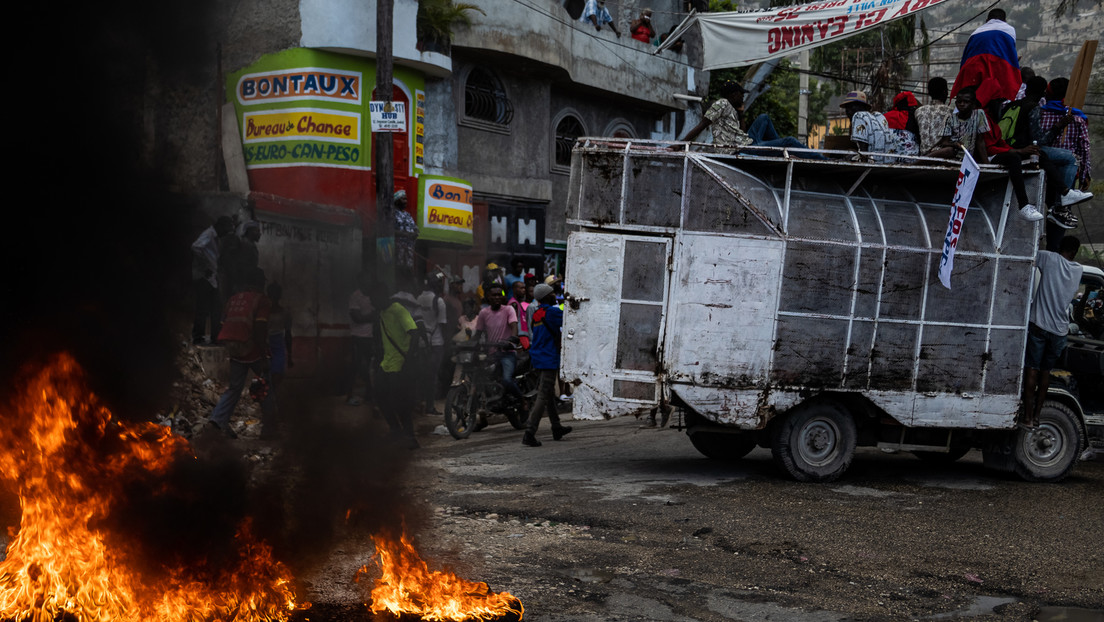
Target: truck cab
point(795, 304)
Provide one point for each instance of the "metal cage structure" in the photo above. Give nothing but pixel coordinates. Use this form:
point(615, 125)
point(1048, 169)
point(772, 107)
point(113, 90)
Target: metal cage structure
point(742, 284)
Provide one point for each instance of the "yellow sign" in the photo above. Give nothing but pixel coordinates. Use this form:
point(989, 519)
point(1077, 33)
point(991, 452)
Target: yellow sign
point(445, 210)
point(448, 217)
point(321, 125)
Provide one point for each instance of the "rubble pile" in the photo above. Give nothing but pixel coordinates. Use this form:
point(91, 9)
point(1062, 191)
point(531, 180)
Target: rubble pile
point(202, 379)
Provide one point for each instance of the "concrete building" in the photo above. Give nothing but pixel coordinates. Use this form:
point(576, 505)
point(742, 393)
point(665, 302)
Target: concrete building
point(483, 152)
point(527, 80)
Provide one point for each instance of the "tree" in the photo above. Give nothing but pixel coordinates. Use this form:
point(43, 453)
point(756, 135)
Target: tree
point(438, 18)
point(873, 61)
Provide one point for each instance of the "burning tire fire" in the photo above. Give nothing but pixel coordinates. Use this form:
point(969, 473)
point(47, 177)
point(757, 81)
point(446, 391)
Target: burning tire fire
point(70, 461)
point(408, 586)
point(72, 464)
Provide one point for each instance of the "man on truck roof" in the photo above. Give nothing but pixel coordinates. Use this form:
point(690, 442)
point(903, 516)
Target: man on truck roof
point(1049, 325)
point(726, 120)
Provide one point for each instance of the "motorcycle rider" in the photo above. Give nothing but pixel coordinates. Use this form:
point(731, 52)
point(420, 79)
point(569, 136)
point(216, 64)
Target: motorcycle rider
point(500, 323)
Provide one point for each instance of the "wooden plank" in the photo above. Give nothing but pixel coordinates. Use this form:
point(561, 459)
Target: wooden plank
point(1079, 78)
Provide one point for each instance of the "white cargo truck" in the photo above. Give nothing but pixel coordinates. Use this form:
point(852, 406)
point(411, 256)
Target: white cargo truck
point(795, 304)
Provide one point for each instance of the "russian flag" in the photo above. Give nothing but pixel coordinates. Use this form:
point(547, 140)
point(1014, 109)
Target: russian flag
point(991, 53)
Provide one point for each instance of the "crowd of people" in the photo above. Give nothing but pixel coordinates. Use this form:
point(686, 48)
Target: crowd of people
point(401, 338)
point(403, 342)
point(999, 114)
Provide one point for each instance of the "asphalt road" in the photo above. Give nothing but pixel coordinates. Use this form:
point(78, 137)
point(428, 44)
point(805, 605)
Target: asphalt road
point(617, 522)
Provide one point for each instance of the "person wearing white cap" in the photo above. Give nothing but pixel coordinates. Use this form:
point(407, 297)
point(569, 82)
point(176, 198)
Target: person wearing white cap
point(544, 355)
point(869, 130)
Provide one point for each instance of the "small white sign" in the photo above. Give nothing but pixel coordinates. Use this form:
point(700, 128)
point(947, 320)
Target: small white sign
point(388, 116)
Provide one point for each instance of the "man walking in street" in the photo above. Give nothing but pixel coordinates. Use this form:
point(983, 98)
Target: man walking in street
point(244, 334)
point(1046, 333)
point(544, 353)
point(399, 337)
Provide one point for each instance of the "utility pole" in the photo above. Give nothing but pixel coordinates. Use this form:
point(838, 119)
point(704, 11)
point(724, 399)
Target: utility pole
point(384, 155)
point(803, 98)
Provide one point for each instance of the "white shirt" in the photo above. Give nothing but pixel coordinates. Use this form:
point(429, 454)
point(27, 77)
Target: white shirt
point(435, 320)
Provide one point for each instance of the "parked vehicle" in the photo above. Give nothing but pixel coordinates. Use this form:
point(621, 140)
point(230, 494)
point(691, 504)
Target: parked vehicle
point(480, 393)
point(795, 304)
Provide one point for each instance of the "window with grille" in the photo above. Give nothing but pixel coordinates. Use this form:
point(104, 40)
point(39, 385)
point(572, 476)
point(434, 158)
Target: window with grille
point(567, 130)
point(485, 98)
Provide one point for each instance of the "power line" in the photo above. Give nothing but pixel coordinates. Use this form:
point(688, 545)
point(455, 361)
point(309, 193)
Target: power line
point(610, 45)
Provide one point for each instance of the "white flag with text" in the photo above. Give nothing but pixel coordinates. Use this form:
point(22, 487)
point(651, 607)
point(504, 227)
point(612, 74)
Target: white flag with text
point(964, 193)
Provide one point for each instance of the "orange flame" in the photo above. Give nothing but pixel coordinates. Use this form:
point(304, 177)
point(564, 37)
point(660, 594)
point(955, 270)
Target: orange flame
point(51, 454)
point(407, 586)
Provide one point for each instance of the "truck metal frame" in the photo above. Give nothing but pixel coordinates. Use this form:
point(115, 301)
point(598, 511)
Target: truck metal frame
point(755, 290)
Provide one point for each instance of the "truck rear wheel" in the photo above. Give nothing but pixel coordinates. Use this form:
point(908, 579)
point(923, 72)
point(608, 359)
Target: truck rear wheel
point(1047, 453)
point(815, 441)
point(725, 446)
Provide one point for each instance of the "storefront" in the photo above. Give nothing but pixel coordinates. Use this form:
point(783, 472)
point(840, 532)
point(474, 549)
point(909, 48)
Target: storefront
point(305, 121)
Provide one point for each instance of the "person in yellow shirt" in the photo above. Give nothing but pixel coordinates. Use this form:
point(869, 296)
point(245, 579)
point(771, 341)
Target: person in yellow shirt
point(401, 340)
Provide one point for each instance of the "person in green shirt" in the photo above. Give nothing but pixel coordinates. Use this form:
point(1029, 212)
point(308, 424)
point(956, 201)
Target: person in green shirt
point(399, 338)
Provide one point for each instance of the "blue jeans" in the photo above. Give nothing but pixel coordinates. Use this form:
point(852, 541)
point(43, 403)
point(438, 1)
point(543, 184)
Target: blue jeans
point(509, 364)
point(762, 133)
point(239, 373)
point(1064, 161)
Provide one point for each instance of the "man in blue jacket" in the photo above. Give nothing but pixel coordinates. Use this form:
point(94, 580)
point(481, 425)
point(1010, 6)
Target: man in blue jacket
point(544, 355)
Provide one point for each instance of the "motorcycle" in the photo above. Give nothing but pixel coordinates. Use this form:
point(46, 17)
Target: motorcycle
point(480, 392)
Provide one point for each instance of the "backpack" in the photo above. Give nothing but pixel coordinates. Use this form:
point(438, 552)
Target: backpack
point(1014, 125)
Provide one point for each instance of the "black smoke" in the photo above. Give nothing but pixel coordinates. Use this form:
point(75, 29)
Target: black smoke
point(97, 265)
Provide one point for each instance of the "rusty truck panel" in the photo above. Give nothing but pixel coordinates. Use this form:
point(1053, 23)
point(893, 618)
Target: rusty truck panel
point(741, 285)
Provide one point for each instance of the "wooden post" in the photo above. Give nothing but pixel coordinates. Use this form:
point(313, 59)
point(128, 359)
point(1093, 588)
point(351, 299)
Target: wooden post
point(384, 155)
point(1079, 77)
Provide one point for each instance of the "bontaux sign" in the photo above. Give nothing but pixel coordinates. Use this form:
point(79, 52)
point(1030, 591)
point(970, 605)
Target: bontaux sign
point(445, 209)
point(305, 107)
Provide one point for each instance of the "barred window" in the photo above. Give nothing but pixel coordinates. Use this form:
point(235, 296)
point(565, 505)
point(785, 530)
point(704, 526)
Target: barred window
point(485, 98)
point(567, 130)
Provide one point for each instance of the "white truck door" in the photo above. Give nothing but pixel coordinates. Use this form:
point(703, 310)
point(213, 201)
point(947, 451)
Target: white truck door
point(614, 321)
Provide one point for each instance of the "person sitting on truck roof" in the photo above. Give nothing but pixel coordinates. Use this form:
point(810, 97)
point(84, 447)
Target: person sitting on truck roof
point(902, 120)
point(963, 128)
point(725, 118)
point(1017, 128)
point(1053, 124)
point(1000, 152)
point(1049, 325)
point(870, 130)
point(932, 118)
point(966, 130)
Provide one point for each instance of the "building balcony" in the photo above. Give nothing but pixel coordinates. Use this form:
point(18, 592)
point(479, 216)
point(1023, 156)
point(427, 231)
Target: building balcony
point(543, 31)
